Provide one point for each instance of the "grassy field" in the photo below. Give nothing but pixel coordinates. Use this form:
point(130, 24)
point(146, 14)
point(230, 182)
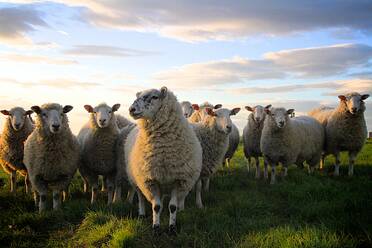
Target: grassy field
point(299, 211)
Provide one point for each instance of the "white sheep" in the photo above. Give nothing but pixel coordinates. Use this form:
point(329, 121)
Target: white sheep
point(17, 127)
point(213, 133)
point(97, 140)
point(163, 154)
point(187, 108)
point(51, 153)
point(200, 112)
point(234, 139)
point(252, 135)
point(289, 141)
point(345, 127)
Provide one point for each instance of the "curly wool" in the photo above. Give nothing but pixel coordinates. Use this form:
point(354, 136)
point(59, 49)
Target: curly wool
point(164, 151)
point(214, 144)
point(234, 139)
point(51, 157)
point(252, 137)
point(12, 146)
point(300, 140)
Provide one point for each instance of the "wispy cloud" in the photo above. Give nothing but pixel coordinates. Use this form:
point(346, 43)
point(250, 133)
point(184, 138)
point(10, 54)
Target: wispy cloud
point(24, 58)
point(97, 50)
point(60, 83)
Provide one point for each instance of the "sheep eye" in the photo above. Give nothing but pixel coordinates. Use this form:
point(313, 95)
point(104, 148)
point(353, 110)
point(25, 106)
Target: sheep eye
point(110, 112)
point(45, 115)
point(94, 112)
point(155, 97)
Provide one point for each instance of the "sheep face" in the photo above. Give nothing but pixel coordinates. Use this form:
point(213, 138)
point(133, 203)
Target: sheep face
point(52, 118)
point(222, 116)
point(147, 104)
point(187, 109)
point(354, 102)
point(102, 113)
point(202, 109)
point(17, 117)
point(258, 112)
point(279, 115)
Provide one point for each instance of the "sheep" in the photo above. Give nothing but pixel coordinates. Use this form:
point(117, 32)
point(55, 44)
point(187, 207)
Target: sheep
point(187, 108)
point(97, 140)
point(252, 136)
point(123, 122)
point(51, 153)
point(199, 111)
point(234, 139)
point(162, 154)
point(289, 141)
point(213, 134)
point(17, 127)
point(345, 128)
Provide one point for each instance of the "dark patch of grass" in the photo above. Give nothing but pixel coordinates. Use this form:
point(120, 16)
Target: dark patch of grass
point(299, 211)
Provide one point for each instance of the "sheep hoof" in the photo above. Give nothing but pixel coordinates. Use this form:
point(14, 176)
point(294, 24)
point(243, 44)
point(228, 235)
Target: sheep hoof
point(156, 230)
point(172, 230)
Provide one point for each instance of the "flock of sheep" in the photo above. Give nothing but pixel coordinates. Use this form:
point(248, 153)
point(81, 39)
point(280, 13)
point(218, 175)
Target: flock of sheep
point(173, 148)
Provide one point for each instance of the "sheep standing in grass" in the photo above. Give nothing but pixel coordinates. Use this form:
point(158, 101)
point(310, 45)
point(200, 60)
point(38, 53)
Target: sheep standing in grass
point(18, 126)
point(97, 140)
point(51, 153)
point(213, 134)
point(252, 136)
point(345, 126)
point(289, 141)
point(163, 154)
point(187, 108)
point(234, 139)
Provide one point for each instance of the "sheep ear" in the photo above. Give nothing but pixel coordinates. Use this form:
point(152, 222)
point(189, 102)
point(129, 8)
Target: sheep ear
point(195, 107)
point(268, 106)
point(67, 108)
point(234, 111)
point(217, 106)
point(36, 109)
point(249, 108)
point(210, 112)
point(88, 108)
point(29, 112)
point(115, 107)
point(342, 97)
point(163, 92)
point(290, 111)
point(138, 94)
point(267, 110)
point(365, 96)
point(5, 112)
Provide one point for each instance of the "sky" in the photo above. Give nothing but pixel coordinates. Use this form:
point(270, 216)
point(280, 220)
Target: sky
point(292, 54)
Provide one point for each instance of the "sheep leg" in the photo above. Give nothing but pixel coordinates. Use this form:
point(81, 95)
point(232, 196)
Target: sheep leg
point(181, 196)
point(42, 202)
point(285, 172)
point(13, 181)
point(110, 189)
point(258, 172)
point(337, 165)
point(104, 184)
point(206, 184)
point(56, 199)
point(94, 190)
point(130, 195)
point(173, 211)
point(117, 194)
point(27, 184)
point(64, 195)
point(157, 207)
point(227, 162)
point(198, 190)
point(266, 173)
point(36, 199)
point(141, 205)
point(273, 173)
point(86, 185)
point(352, 157)
point(322, 162)
point(248, 164)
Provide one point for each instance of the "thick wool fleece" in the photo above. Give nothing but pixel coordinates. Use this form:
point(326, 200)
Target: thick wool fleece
point(300, 140)
point(51, 158)
point(252, 137)
point(12, 146)
point(234, 139)
point(164, 151)
point(214, 144)
point(122, 121)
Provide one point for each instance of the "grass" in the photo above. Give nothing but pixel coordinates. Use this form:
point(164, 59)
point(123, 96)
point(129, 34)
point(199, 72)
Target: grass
point(299, 211)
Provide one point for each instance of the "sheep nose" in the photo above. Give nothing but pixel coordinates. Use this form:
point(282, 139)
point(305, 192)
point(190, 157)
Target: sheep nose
point(354, 110)
point(228, 127)
point(281, 123)
point(257, 119)
point(17, 125)
point(55, 126)
point(102, 121)
point(132, 110)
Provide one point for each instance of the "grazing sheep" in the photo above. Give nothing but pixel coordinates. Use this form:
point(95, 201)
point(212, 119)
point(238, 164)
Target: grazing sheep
point(252, 135)
point(187, 108)
point(234, 139)
point(163, 154)
point(200, 112)
point(97, 140)
point(213, 134)
point(17, 127)
point(51, 153)
point(345, 127)
point(289, 141)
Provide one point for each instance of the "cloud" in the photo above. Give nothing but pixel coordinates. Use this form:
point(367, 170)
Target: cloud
point(112, 51)
point(59, 83)
point(23, 58)
point(16, 22)
point(192, 20)
point(316, 62)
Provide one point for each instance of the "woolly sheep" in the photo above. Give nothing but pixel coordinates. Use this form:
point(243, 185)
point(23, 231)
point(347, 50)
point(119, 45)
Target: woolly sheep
point(162, 154)
point(252, 135)
point(345, 126)
point(187, 108)
point(290, 140)
point(234, 139)
point(200, 112)
point(97, 140)
point(213, 134)
point(51, 153)
point(17, 127)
